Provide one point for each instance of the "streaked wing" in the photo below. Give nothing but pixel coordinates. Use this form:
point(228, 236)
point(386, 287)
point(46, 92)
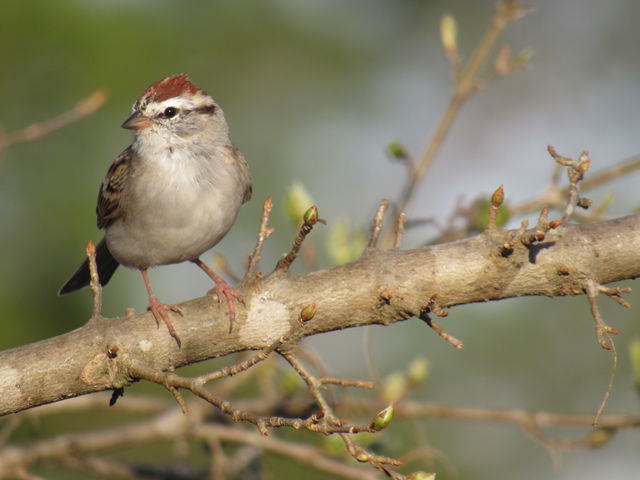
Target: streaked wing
point(109, 206)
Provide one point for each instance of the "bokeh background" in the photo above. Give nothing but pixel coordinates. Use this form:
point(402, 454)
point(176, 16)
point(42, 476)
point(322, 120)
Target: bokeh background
point(313, 92)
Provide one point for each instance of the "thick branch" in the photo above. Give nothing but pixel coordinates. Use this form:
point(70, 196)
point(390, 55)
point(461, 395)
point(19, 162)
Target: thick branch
point(382, 287)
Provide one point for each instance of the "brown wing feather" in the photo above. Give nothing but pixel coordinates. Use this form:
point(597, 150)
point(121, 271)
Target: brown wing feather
point(243, 170)
point(109, 206)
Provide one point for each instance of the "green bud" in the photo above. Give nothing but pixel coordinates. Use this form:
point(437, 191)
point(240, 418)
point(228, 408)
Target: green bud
point(397, 151)
point(600, 437)
point(449, 33)
point(308, 312)
point(523, 57)
point(311, 216)
point(418, 370)
point(382, 419)
point(363, 456)
point(498, 197)
point(584, 165)
point(420, 475)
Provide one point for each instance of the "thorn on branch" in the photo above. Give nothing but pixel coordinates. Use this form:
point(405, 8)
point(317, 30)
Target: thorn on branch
point(457, 344)
point(614, 293)
point(263, 233)
point(542, 227)
point(399, 230)
point(310, 219)
point(509, 246)
point(528, 238)
point(378, 222)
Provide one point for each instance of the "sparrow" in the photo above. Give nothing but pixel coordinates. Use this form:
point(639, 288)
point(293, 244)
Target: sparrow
point(172, 194)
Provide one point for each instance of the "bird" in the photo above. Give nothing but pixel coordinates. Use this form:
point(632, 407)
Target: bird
point(172, 194)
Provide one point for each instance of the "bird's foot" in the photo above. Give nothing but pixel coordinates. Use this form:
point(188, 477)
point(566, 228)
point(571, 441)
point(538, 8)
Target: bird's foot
point(159, 311)
point(224, 290)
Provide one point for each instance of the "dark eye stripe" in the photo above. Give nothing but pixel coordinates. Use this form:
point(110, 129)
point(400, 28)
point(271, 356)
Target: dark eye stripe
point(206, 109)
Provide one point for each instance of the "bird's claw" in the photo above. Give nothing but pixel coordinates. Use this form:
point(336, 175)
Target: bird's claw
point(223, 289)
point(159, 311)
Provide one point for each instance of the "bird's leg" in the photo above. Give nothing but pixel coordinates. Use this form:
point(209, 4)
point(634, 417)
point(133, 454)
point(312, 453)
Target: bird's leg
point(159, 309)
point(221, 289)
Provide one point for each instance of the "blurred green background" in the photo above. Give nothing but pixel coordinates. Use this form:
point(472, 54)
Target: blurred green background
point(313, 91)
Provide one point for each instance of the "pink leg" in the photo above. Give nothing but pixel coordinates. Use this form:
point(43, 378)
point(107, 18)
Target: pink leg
point(159, 309)
point(221, 289)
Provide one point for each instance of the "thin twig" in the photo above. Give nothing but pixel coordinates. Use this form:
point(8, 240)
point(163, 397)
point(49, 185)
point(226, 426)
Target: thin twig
point(263, 233)
point(94, 281)
point(457, 344)
point(399, 230)
point(614, 293)
point(465, 86)
point(242, 366)
point(346, 383)
point(306, 455)
point(311, 217)
point(603, 336)
point(100, 467)
point(263, 423)
point(312, 383)
point(219, 460)
point(607, 393)
point(362, 455)
point(38, 130)
point(179, 398)
point(603, 330)
point(594, 180)
point(329, 418)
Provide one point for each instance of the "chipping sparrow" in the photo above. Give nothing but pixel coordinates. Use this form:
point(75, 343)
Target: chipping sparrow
point(172, 194)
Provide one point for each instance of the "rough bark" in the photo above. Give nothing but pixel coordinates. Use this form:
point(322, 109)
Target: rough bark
point(381, 287)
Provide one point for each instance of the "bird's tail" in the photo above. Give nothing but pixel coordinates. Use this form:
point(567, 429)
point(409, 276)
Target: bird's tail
point(106, 267)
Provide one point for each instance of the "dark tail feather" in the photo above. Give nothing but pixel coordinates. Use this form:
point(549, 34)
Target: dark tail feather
point(106, 267)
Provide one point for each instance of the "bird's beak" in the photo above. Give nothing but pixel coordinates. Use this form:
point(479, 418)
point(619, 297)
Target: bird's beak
point(136, 122)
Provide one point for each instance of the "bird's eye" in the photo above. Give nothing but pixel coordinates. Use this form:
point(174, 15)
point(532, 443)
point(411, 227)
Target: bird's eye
point(170, 112)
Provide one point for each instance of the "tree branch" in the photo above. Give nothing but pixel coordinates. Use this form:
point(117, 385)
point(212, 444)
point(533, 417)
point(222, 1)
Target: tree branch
point(382, 287)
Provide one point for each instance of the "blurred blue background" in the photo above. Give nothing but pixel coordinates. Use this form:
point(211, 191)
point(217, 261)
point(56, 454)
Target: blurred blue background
point(313, 92)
